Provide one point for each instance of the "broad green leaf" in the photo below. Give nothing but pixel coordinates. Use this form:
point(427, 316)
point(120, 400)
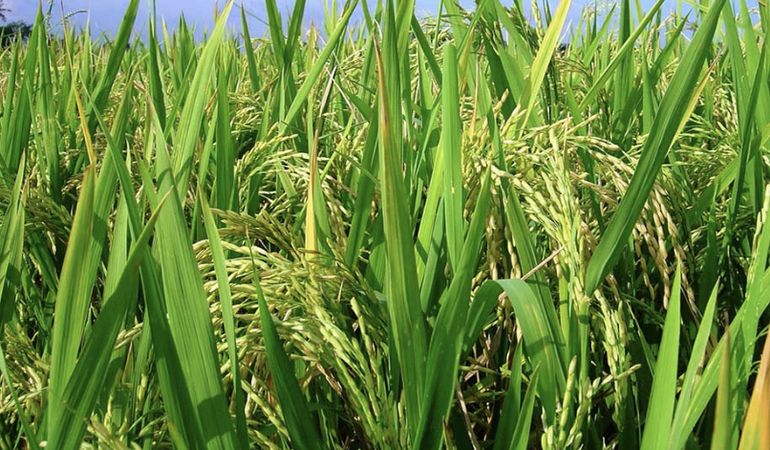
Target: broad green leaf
point(72, 303)
point(401, 287)
point(671, 114)
point(89, 373)
point(540, 342)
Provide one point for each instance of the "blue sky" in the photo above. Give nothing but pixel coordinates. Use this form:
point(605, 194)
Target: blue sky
point(105, 15)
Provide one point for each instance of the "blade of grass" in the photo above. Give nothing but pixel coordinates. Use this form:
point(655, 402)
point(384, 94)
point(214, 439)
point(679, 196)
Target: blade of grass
point(315, 72)
point(8, 112)
point(542, 61)
point(88, 375)
point(225, 298)
point(72, 303)
point(31, 439)
point(251, 59)
point(448, 334)
point(406, 317)
point(540, 343)
point(154, 73)
point(106, 82)
point(277, 39)
point(364, 191)
point(511, 413)
point(15, 137)
point(188, 131)
point(657, 427)
point(48, 127)
point(707, 384)
point(302, 428)
point(723, 417)
point(12, 247)
point(628, 47)
point(524, 422)
point(756, 426)
point(451, 137)
point(225, 151)
point(667, 123)
point(187, 307)
point(696, 361)
point(177, 400)
point(749, 150)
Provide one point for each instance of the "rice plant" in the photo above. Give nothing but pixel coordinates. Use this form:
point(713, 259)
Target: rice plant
point(481, 229)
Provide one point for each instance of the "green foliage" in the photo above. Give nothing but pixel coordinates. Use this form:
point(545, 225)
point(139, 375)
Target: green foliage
point(472, 230)
point(10, 31)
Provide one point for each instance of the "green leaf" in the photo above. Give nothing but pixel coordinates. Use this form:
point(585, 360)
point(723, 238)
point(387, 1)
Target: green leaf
point(697, 357)
point(451, 137)
point(624, 50)
point(315, 72)
point(756, 426)
point(188, 131)
point(721, 438)
point(401, 288)
point(12, 247)
point(448, 336)
point(72, 303)
point(524, 422)
point(31, 439)
point(225, 151)
point(302, 428)
point(106, 82)
point(668, 120)
point(364, 192)
point(509, 417)
point(542, 60)
point(189, 319)
point(250, 56)
point(225, 298)
point(660, 410)
point(15, 135)
point(176, 395)
point(540, 342)
point(85, 384)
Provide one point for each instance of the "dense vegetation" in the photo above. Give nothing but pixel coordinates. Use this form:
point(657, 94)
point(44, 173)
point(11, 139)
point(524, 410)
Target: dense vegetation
point(409, 233)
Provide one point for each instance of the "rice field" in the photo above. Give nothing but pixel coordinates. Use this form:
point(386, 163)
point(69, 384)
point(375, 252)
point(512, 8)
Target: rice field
point(475, 230)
